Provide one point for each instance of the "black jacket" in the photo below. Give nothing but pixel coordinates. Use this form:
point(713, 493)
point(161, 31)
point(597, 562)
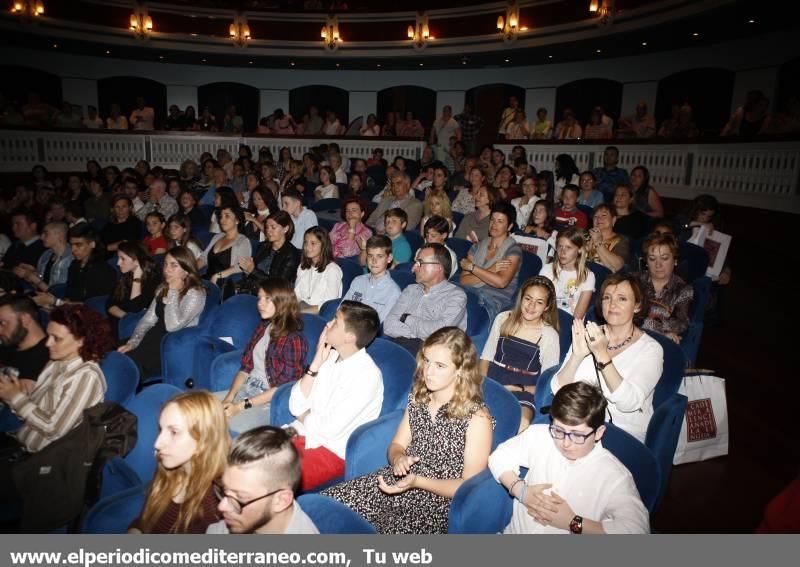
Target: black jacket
point(284, 264)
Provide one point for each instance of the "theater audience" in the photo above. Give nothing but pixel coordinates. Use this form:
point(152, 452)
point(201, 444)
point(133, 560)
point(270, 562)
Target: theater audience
point(22, 339)
point(609, 176)
point(524, 204)
point(275, 258)
point(340, 390)
point(475, 226)
point(436, 233)
point(179, 233)
point(53, 265)
point(401, 198)
point(646, 199)
point(589, 196)
point(28, 248)
point(395, 222)
point(631, 222)
point(319, 277)
point(566, 173)
point(568, 214)
point(191, 450)
point(639, 125)
point(155, 241)
point(221, 256)
point(464, 202)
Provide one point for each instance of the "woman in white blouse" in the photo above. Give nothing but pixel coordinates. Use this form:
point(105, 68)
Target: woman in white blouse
point(618, 357)
point(327, 188)
point(319, 278)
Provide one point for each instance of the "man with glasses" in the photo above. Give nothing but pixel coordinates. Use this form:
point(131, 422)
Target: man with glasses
point(430, 304)
point(256, 492)
point(574, 485)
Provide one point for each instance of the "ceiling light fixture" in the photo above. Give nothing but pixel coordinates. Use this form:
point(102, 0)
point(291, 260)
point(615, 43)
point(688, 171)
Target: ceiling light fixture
point(239, 30)
point(330, 34)
point(419, 33)
point(141, 22)
point(604, 10)
point(509, 26)
point(30, 8)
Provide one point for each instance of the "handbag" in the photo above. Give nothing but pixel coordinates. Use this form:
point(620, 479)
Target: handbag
point(704, 433)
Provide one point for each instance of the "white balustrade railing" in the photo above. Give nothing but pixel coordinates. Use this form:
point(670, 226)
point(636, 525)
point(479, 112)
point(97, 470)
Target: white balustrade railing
point(757, 174)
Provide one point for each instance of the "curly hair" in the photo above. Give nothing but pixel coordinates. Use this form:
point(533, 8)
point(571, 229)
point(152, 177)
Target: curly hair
point(469, 382)
point(87, 324)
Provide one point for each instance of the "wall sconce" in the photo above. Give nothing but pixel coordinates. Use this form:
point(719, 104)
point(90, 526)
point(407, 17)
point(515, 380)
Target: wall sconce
point(509, 26)
point(239, 30)
point(419, 33)
point(141, 23)
point(330, 34)
point(604, 11)
point(31, 8)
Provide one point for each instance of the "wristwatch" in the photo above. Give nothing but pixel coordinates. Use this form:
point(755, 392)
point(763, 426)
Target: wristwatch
point(576, 525)
point(247, 403)
point(403, 317)
point(602, 365)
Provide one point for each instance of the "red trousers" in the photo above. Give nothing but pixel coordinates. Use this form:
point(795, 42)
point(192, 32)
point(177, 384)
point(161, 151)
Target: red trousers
point(319, 465)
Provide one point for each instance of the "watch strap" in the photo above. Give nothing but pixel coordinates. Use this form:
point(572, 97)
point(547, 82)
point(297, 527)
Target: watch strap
point(602, 365)
point(576, 525)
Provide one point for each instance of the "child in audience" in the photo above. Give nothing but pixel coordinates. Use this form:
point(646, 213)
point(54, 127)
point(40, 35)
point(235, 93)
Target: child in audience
point(275, 355)
point(377, 288)
point(523, 342)
point(568, 213)
point(327, 188)
point(436, 233)
point(319, 278)
point(574, 484)
point(574, 282)
point(155, 241)
point(395, 222)
point(437, 203)
point(179, 230)
point(444, 438)
point(191, 450)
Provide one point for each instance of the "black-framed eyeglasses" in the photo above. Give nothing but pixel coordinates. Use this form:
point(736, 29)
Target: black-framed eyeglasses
point(575, 437)
point(238, 505)
point(421, 263)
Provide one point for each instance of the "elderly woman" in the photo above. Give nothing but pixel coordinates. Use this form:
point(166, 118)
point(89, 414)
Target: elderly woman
point(606, 247)
point(349, 235)
point(492, 265)
point(669, 296)
point(619, 356)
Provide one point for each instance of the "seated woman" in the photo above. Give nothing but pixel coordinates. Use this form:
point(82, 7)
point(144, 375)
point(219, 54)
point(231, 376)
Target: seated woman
point(319, 278)
point(262, 203)
point(327, 188)
point(524, 204)
point(137, 285)
point(492, 265)
point(619, 357)
point(275, 355)
point(179, 233)
point(464, 202)
point(123, 224)
point(589, 197)
point(78, 338)
point(192, 451)
point(436, 203)
point(504, 183)
point(294, 178)
point(475, 226)
point(351, 234)
point(444, 438)
point(542, 224)
point(574, 282)
point(223, 197)
point(668, 295)
point(631, 222)
point(275, 258)
point(523, 342)
point(646, 198)
point(178, 304)
point(222, 254)
point(156, 240)
point(88, 276)
point(605, 246)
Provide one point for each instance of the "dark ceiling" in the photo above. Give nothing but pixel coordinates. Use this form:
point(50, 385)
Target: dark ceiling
point(737, 20)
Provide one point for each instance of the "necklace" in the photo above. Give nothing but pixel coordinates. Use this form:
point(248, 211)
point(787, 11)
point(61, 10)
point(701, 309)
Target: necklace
point(622, 344)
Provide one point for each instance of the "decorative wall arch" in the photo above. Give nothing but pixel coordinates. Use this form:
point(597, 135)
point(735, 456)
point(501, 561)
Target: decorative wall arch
point(488, 102)
point(585, 94)
point(707, 90)
point(22, 80)
point(124, 90)
point(218, 96)
point(324, 97)
point(402, 98)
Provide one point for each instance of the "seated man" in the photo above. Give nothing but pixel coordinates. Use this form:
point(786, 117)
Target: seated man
point(22, 339)
point(399, 198)
point(54, 264)
point(377, 288)
point(595, 492)
point(340, 390)
point(256, 494)
point(158, 201)
point(430, 304)
point(28, 247)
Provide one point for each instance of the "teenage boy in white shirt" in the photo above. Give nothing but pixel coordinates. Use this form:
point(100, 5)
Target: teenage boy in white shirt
point(340, 390)
point(574, 485)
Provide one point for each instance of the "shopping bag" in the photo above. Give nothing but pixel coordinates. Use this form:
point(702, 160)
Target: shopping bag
point(704, 433)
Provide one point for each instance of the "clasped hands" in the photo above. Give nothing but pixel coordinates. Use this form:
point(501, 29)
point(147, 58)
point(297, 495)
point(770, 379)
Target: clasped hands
point(401, 467)
point(589, 338)
point(547, 509)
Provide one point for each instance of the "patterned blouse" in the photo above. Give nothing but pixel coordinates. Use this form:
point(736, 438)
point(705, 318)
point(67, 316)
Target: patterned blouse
point(669, 311)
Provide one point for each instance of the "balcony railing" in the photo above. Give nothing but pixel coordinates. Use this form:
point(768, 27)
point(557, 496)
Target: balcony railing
point(763, 174)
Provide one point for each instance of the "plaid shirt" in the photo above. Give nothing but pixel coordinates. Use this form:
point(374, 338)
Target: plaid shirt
point(286, 357)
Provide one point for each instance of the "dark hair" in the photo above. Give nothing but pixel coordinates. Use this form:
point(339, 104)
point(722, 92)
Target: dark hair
point(549, 221)
point(361, 320)
point(287, 318)
point(578, 403)
point(639, 295)
point(292, 193)
point(237, 212)
point(85, 231)
point(285, 220)
point(565, 167)
point(380, 241)
point(667, 240)
point(29, 215)
point(265, 194)
point(326, 254)
point(442, 255)
point(137, 251)
point(87, 324)
point(351, 201)
point(397, 213)
point(571, 187)
point(437, 223)
point(21, 305)
point(186, 261)
point(185, 221)
point(269, 441)
point(705, 203)
point(157, 215)
point(509, 211)
point(641, 192)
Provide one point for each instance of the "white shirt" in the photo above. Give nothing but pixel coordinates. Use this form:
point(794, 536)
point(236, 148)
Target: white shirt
point(260, 358)
point(346, 394)
point(524, 211)
point(597, 487)
point(326, 191)
point(305, 220)
point(341, 176)
point(146, 118)
point(568, 291)
point(316, 288)
point(631, 404)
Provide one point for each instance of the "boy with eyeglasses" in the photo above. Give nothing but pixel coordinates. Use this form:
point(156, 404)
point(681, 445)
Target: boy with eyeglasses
point(574, 485)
